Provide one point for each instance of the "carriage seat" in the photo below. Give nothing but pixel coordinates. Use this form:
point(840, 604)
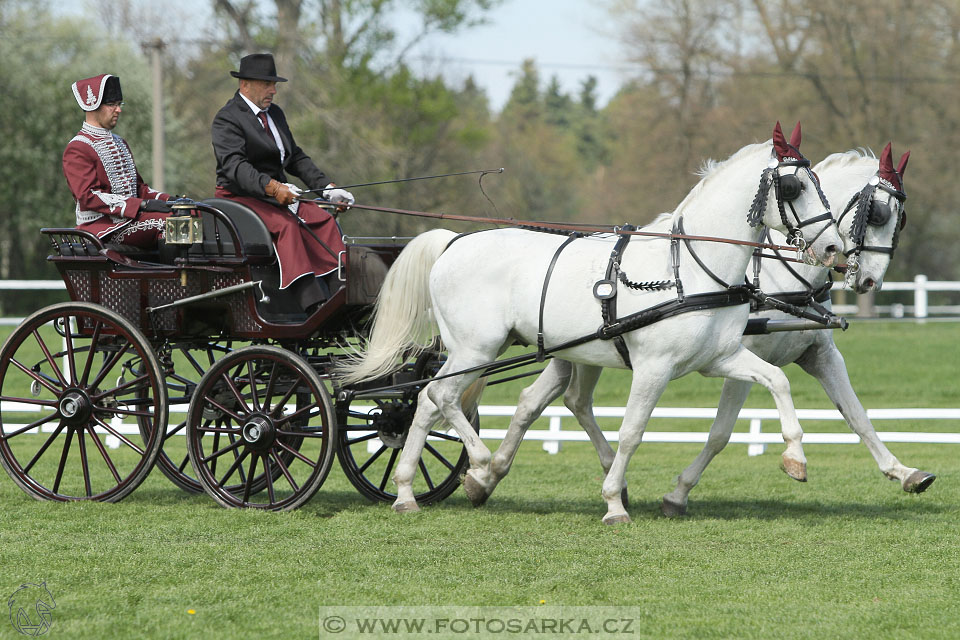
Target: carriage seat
point(253, 232)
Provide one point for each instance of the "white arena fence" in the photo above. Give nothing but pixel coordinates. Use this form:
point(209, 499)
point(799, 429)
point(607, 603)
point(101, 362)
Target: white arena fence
point(554, 416)
point(555, 434)
point(920, 286)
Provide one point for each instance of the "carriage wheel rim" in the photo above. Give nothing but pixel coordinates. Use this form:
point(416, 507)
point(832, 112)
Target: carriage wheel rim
point(253, 434)
point(79, 401)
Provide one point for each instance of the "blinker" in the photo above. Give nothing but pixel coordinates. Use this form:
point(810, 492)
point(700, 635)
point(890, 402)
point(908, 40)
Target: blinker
point(879, 213)
point(790, 187)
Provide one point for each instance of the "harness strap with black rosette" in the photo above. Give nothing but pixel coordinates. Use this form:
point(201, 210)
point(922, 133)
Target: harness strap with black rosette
point(869, 212)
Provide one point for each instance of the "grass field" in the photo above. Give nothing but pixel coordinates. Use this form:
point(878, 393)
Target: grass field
point(847, 554)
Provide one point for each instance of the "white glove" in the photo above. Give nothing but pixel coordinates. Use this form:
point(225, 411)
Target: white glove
point(294, 188)
point(338, 196)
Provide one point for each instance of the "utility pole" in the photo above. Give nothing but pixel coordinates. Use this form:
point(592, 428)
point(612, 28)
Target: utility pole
point(156, 48)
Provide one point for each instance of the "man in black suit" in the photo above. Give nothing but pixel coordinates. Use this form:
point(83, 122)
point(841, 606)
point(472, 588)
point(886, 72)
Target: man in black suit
point(255, 151)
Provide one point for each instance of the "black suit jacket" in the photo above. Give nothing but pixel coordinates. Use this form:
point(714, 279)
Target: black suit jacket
point(248, 157)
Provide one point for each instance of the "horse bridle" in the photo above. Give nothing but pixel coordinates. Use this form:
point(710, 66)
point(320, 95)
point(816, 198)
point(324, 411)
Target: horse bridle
point(787, 188)
point(869, 212)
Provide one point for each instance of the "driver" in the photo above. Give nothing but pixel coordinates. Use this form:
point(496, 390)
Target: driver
point(113, 201)
point(255, 151)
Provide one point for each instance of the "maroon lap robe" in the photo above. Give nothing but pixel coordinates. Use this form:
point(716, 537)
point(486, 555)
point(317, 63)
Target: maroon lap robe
point(298, 251)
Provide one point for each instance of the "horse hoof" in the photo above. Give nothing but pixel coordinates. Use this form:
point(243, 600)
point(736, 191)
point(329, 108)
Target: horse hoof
point(406, 507)
point(475, 491)
point(617, 519)
point(918, 482)
point(672, 509)
point(794, 469)
point(624, 498)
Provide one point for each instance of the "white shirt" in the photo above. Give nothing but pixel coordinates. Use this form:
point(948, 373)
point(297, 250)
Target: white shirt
point(273, 127)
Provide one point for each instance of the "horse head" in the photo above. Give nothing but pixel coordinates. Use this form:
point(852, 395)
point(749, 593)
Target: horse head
point(873, 217)
point(790, 200)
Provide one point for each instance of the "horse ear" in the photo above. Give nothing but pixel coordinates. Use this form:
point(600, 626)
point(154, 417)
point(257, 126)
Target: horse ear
point(903, 163)
point(779, 142)
point(795, 136)
point(886, 159)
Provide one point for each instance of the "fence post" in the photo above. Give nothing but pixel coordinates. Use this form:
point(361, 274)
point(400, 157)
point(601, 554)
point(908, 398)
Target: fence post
point(920, 296)
point(755, 449)
point(553, 446)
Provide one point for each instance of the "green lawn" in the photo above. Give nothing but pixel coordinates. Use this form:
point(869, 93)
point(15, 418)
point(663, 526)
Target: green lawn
point(847, 554)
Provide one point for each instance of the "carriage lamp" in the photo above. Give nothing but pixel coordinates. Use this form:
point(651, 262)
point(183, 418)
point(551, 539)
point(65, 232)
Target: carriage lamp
point(183, 230)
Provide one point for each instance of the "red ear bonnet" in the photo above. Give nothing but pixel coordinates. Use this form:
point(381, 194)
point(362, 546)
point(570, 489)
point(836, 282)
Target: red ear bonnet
point(783, 149)
point(886, 169)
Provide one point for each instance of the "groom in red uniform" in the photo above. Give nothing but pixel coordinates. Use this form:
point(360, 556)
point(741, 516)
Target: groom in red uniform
point(113, 201)
point(255, 151)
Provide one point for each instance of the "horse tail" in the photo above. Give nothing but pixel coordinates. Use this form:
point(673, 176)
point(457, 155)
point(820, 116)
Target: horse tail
point(403, 324)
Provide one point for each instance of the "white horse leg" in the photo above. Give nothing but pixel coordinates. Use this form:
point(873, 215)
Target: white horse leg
point(645, 389)
point(826, 365)
point(579, 400)
point(426, 416)
point(734, 394)
point(447, 395)
point(533, 400)
point(749, 367)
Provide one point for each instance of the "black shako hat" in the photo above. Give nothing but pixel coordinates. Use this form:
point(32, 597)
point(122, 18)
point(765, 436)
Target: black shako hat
point(258, 66)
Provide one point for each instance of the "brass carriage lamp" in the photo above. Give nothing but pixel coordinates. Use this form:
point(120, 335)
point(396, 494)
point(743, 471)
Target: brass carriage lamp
point(183, 229)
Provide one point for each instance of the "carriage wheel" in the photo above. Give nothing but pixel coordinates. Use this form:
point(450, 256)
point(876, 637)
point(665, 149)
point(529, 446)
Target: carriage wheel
point(86, 370)
point(261, 417)
point(185, 364)
point(373, 430)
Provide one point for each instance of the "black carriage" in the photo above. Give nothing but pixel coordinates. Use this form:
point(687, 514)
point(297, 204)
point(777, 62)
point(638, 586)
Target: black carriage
point(201, 329)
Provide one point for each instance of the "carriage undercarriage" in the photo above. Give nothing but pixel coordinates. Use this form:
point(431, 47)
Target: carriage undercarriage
point(197, 341)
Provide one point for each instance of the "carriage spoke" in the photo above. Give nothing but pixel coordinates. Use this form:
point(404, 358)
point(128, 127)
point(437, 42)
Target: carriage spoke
point(236, 464)
point(439, 456)
point(236, 417)
point(177, 429)
point(269, 474)
point(84, 464)
point(50, 360)
point(369, 436)
point(250, 476)
point(63, 461)
point(445, 436)
point(91, 350)
point(268, 392)
point(219, 452)
point(122, 438)
point(141, 382)
point(297, 454)
point(108, 365)
point(426, 474)
point(313, 433)
point(373, 458)
point(284, 470)
point(236, 394)
point(103, 453)
point(286, 396)
point(30, 426)
point(36, 376)
point(125, 412)
point(386, 472)
point(251, 376)
point(300, 412)
point(71, 365)
point(43, 448)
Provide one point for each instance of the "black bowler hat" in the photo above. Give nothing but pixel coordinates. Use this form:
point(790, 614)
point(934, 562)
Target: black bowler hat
point(258, 66)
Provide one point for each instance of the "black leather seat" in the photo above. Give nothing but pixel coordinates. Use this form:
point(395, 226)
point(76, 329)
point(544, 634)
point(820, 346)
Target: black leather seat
point(253, 233)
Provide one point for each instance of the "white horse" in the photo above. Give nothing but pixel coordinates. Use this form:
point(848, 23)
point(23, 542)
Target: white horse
point(870, 226)
point(488, 290)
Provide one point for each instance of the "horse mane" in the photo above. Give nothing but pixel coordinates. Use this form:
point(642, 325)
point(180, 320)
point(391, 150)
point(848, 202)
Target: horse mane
point(845, 158)
point(710, 168)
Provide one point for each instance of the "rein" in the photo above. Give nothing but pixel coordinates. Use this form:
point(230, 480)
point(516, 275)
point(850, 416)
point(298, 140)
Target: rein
point(564, 227)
